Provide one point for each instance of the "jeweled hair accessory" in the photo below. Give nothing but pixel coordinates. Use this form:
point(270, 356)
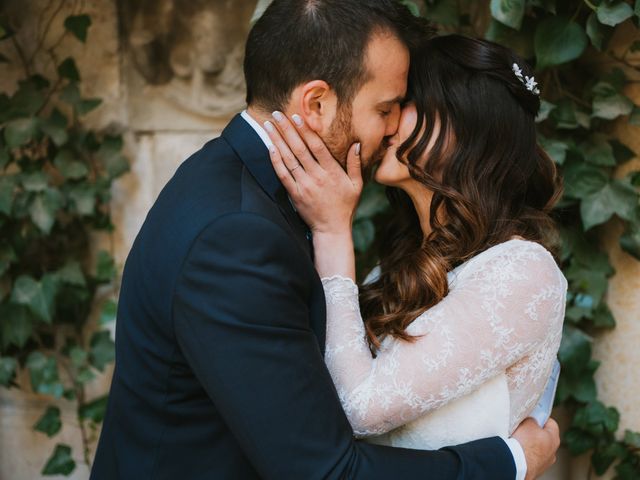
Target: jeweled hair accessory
point(529, 82)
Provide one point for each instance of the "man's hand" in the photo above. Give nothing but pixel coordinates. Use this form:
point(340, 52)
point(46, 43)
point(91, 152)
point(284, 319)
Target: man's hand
point(539, 444)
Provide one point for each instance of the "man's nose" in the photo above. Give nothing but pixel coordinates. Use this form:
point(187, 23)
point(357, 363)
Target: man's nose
point(393, 123)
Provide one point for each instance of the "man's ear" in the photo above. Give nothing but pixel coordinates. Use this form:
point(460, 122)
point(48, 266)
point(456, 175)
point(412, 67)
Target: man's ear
point(317, 103)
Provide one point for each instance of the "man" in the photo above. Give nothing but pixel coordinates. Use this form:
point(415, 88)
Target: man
point(221, 321)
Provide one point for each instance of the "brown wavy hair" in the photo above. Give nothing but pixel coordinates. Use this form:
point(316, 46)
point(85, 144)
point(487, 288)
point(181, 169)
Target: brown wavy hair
point(491, 183)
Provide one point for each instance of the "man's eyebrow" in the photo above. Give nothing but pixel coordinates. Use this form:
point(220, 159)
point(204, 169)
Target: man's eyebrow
point(399, 100)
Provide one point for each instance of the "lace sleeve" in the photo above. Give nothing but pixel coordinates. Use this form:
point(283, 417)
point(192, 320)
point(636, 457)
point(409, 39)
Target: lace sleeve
point(504, 313)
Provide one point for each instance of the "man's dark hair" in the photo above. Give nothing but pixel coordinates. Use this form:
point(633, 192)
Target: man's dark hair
point(296, 41)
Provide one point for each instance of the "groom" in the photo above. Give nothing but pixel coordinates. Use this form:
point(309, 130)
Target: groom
point(221, 321)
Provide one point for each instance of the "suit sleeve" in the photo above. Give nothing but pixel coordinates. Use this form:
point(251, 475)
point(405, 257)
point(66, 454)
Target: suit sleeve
point(241, 318)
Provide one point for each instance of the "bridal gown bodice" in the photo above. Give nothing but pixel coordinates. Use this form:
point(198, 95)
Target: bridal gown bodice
point(479, 361)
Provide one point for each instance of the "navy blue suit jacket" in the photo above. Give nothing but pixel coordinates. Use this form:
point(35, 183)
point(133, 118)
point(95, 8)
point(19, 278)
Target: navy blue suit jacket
point(220, 338)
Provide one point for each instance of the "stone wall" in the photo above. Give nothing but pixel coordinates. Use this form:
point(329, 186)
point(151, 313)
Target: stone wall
point(169, 72)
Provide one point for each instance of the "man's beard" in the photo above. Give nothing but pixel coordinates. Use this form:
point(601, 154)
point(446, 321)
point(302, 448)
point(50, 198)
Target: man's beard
point(342, 135)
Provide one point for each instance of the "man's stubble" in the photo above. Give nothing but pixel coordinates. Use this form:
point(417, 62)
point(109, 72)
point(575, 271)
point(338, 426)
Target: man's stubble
point(342, 135)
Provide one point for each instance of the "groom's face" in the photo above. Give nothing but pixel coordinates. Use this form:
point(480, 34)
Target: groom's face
point(373, 115)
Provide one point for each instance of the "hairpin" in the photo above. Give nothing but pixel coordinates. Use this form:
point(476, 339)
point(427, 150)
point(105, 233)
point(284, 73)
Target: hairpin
point(529, 82)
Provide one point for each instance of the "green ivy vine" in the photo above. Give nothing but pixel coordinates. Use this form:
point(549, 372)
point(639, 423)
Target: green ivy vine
point(579, 110)
point(55, 183)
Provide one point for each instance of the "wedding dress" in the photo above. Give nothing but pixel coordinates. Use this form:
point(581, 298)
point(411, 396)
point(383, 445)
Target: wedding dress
point(480, 361)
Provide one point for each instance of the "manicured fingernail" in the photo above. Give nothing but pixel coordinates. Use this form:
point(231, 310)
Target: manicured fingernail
point(278, 116)
point(272, 149)
point(269, 126)
point(358, 148)
point(297, 119)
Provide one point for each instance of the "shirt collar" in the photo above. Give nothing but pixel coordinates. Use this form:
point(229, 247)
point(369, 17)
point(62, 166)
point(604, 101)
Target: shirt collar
point(258, 128)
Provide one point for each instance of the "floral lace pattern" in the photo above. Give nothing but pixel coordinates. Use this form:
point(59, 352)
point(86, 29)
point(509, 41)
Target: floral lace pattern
point(503, 314)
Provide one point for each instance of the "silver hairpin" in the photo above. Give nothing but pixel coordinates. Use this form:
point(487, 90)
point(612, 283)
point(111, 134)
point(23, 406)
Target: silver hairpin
point(529, 82)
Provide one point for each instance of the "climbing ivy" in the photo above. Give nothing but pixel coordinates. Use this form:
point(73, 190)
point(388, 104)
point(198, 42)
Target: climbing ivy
point(55, 184)
point(580, 107)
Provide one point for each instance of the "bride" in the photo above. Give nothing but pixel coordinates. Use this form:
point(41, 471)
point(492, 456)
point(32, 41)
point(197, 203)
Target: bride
point(466, 264)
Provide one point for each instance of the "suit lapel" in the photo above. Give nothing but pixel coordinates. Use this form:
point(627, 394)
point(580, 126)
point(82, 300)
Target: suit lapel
point(255, 156)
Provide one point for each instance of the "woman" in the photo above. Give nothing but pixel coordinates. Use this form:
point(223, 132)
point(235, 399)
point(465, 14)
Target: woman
point(464, 319)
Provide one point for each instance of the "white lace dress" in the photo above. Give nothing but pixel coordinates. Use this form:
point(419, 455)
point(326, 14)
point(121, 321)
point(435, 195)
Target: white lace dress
point(481, 361)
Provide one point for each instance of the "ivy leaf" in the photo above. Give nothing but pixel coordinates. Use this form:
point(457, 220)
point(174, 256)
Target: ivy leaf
point(78, 356)
point(558, 40)
point(71, 274)
point(17, 325)
point(50, 422)
point(60, 462)
point(608, 103)
point(71, 95)
point(108, 313)
point(106, 267)
point(44, 207)
point(564, 115)
point(35, 182)
point(621, 152)
point(94, 410)
point(598, 33)
point(412, 6)
point(37, 296)
point(83, 198)
point(443, 12)
point(21, 131)
point(8, 367)
point(78, 26)
point(597, 419)
point(630, 240)
point(556, 149)
point(7, 257)
point(575, 351)
point(56, 127)
point(581, 387)
point(634, 119)
point(598, 151)
point(616, 197)
point(68, 69)
point(545, 109)
point(364, 233)
point(602, 317)
point(374, 201)
point(632, 438)
point(582, 179)
point(102, 349)
point(7, 188)
point(110, 154)
point(509, 12)
point(578, 442)
point(613, 14)
point(68, 166)
point(27, 100)
point(43, 371)
point(604, 456)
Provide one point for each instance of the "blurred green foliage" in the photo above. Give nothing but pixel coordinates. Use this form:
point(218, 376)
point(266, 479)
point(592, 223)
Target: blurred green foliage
point(581, 106)
point(55, 189)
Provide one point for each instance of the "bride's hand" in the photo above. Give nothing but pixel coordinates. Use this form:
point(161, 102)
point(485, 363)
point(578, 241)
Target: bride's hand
point(324, 194)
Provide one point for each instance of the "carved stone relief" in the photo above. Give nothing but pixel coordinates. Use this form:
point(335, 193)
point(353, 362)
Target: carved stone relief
point(189, 52)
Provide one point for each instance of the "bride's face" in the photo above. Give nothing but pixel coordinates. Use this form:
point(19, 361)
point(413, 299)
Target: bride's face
point(391, 171)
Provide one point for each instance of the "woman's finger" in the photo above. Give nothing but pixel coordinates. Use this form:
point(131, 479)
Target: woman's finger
point(316, 145)
point(282, 171)
point(288, 158)
point(354, 165)
point(295, 143)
